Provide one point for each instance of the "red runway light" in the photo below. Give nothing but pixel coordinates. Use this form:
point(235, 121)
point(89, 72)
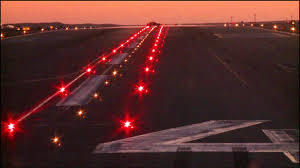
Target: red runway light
point(155, 44)
point(62, 89)
point(153, 50)
point(127, 124)
point(122, 45)
point(114, 51)
point(150, 58)
point(147, 69)
point(103, 58)
point(11, 127)
point(147, 27)
point(140, 88)
point(131, 38)
point(88, 70)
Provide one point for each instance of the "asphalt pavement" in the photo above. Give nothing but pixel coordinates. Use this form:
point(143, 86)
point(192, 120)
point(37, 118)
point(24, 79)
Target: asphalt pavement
point(202, 74)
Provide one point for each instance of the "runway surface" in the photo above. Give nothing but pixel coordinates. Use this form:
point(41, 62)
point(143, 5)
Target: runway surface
point(203, 75)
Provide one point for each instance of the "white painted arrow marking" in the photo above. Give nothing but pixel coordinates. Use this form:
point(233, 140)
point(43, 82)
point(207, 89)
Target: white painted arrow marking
point(173, 140)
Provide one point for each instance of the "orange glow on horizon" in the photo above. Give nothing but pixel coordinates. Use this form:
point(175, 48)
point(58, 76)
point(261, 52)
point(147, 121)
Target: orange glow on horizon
point(118, 12)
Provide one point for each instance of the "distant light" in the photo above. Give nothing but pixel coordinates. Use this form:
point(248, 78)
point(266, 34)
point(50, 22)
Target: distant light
point(252, 24)
point(293, 22)
point(150, 58)
point(24, 32)
point(275, 26)
point(67, 28)
point(147, 69)
point(2, 35)
point(155, 44)
point(122, 45)
point(131, 38)
point(225, 25)
point(114, 51)
point(261, 25)
point(153, 50)
point(236, 25)
point(103, 58)
point(42, 29)
point(147, 27)
point(125, 60)
point(76, 28)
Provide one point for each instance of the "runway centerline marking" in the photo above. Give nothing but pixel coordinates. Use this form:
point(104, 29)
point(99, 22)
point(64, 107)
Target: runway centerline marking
point(230, 70)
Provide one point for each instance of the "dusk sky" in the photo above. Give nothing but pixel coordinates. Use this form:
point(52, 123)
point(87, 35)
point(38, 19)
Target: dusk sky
point(130, 12)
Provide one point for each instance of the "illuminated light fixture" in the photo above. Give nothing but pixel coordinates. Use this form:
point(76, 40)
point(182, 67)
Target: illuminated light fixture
point(127, 124)
point(114, 51)
point(243, 24)
point(2, 35)
point(131, 38)
point(127, 41)
point(225, 25)
point(103, 58)
point(156, 41)
point(114, 73)
point(95, 95)
point(42, 29)
point(236, 25)
point(150, 58)
point(11, 127)
point(293, 22)
point(252, 25)
point(261, 25)
point(293, 29)
point(80, 113)
point(153, 50)
point(55, 140)
point(147, 69)
point(275, 26)
point(147, 27)
point(140, 88)
point(135, 35)
point(106, 82)
point(88, 70)
point(67, 28)
point(62, 89)
point(155, 44)
point(125, 60)
point(76, 28)
point(24, 32)
point(122, 45)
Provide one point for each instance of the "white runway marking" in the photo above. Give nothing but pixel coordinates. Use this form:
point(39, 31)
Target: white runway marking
point(176, 140)
point(281, 136)
point(82, 94)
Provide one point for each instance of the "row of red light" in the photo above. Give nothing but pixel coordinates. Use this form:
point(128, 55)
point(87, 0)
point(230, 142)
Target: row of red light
point(141, 87)
point(11, 126)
